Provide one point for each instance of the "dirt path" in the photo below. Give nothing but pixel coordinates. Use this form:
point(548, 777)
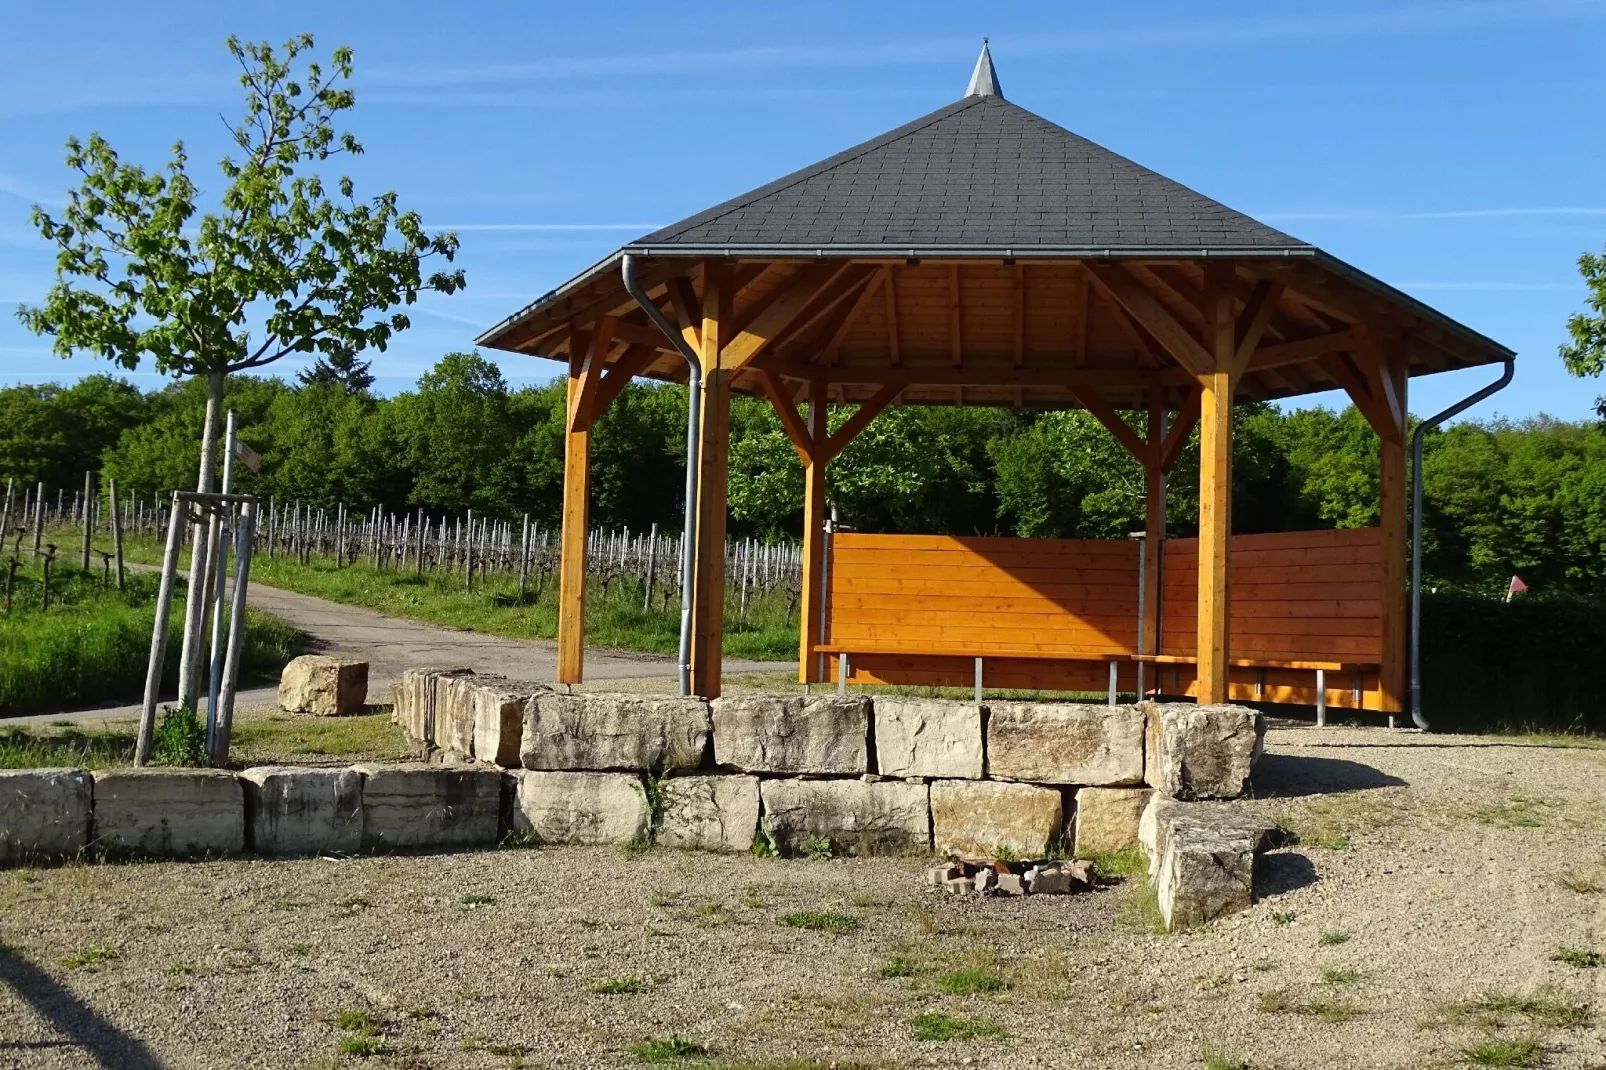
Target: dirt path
point(1420, 918)
point(392, 645)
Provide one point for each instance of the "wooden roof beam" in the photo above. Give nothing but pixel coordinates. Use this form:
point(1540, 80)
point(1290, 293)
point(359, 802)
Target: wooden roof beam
point(868, 410)
point(1147, 310)
point(786, 409)
point(833, 348)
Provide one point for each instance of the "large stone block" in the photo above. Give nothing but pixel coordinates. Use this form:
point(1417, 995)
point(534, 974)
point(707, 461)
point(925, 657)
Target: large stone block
point(415, 701)
point(1163, 814)
point(984, 818)
point(709, 813)
point(454, 711)
point(821, 734)
point(579, 808)
point(1201, 752)
point(429, 806)
point(499, 711)
point(606, 731)
point(296, 811)
point(1065, 743)
point(169, 812)
point(323, 686)
point(1205, 872)
point(859, 818)
point(1107, 819)
point(44, 813)
point(928, 737)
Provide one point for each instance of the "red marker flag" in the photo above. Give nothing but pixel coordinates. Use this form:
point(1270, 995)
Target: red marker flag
point(1516, 585)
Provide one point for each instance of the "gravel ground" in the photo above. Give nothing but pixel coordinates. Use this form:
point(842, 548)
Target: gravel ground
point(1444, 862)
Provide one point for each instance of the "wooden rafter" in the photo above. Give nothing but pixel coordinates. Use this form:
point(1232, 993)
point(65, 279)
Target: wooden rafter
point(868, 410)
point(1299, 350)
point(955, 334)
point(833, 348)
point(1253, 320)
point(629, 364)
point(586, 371)
point(1079, 288)
point(1019, 293)
point(1146, 309)
point(1104, 414)
point(688, 310)
point(842, 284)
point(1176, 437)
point(772, 320)
point(933, 375)
point(786, 409)
point(894, 342)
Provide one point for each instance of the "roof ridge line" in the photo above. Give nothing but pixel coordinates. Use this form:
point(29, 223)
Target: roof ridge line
point(830, 163)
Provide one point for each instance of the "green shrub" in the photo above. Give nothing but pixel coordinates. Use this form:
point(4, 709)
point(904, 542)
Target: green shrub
point(180, 738)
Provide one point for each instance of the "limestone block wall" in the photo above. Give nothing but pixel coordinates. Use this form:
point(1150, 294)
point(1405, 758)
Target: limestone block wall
point(881, 774)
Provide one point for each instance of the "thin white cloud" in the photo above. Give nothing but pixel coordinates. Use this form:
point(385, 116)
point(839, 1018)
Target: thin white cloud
point(1437, 18)
point(546, 226)
point(1520, 286)
point(469, 320)
point(1360, 215)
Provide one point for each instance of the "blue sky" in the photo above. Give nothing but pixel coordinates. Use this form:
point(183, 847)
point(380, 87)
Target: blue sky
point(1450, 148)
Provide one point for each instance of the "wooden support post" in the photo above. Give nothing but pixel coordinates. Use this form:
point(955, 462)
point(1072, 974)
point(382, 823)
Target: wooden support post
point(708, 590)
point(812, 599)
point(1215, 484)
point(1153, 527)
point(1392, 522)
point(576, 522)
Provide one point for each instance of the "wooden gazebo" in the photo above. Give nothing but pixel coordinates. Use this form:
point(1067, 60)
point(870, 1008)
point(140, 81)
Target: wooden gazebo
point(982, 255)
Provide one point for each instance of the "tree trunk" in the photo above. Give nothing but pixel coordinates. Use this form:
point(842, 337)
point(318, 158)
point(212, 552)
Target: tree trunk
point(195, 597)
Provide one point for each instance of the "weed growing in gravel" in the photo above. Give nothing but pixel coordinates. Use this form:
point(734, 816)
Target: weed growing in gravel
point(1332, 938)
point(1263, 966)
point(520, 838)
point(899, 966)
point(635, 848)
point(1140, 910)
point(667, 1049)
point(1496, 1009)
point(355, 903)
point(1521, 1052)
point(662, 897)
point(183, 969)
point(474, 899)
point(866, 901)
point(1219, 1059)
point(1342, 977)
point(937, 1026)
point(923, 918)
point(764, 845)
point(470, 995)
point(180, 737)
point(1280, 1002)
point(752, 896)
point(821, 921)
point(619, 986)
point(1582, 883)
point(1005, 852)
point(353, 1021)
point(1284, 917)
point(92, 957)
point(1584, 960)
point(1520, 813)
point(301, 949)
point(362, 1037)
point(969, 982)
point(817, 848)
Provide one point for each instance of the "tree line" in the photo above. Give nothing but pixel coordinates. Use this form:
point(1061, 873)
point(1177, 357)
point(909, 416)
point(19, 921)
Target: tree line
point(1501, 497)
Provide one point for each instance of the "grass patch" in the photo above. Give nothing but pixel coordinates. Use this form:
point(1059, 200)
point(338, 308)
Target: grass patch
point(1582, 883)
point(24, 748)
point(1333, 822)
point(1280, 1002)
point(969, 982)
point(1520, 813)
point(93, 643)
point(1332, 938)
point(475, 899)
point(1219, 1059)
point(1284, 917)
point(368, 736)
point(361, 1045)
point(672, 1049)
point(92, 957)
point(619, 986)
point(821, 921)
point(1342, 977)
point(1583, 960)
point(1127, 862)
point(1521, 1052)
point(899, 966)
point(936, 1026)
point(1496, 1009)
point(1140, 910)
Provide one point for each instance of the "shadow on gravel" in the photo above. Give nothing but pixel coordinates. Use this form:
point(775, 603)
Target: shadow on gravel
point(1286, 776)
point(1282, 872)
point(71, 1017)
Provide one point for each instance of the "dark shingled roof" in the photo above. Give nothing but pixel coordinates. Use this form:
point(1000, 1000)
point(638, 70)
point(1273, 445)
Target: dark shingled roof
point(981, 172)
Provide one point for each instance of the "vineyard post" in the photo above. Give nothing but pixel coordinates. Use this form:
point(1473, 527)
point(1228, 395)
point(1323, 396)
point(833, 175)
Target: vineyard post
point(117, 529)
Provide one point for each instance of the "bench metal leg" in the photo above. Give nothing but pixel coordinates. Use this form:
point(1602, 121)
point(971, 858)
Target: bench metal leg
point(1112, 683)
point(1321, 697)
point(842, 674)
point(1140, 681)
point(978, 681)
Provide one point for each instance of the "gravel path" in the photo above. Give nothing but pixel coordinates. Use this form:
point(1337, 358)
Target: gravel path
point(1453, 867)
point(392, 645)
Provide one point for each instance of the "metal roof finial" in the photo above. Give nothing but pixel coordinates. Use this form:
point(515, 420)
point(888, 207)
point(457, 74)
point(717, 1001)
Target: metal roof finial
point(984, 80)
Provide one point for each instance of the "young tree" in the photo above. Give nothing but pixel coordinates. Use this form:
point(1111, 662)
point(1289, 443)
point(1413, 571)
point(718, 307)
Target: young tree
point(343, 370)
point(1586, 353)
point(282, 264)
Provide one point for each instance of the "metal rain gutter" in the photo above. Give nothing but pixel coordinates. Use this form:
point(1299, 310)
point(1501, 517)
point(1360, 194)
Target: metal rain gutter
point(694, 442)
point(1416, 525)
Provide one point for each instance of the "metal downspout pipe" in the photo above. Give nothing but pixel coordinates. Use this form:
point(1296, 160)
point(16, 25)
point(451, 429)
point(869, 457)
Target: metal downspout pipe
point(1416, 526)
point(694, 449)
